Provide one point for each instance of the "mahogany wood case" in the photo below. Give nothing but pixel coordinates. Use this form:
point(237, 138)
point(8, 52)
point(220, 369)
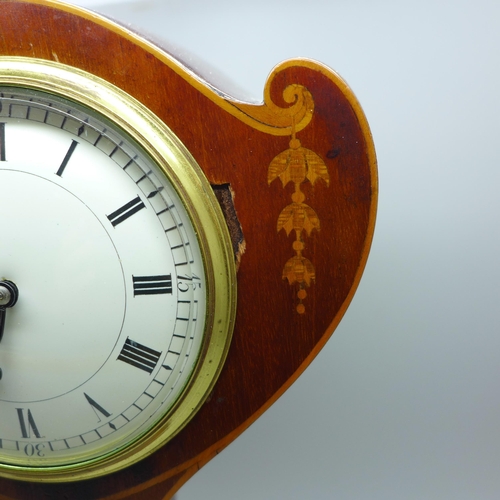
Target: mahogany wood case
point(301, 172)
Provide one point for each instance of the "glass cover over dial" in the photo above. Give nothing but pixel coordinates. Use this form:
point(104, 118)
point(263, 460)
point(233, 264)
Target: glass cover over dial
point(111, 281)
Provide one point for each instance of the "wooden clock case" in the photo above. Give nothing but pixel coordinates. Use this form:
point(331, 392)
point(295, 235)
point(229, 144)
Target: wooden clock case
point(298, 177)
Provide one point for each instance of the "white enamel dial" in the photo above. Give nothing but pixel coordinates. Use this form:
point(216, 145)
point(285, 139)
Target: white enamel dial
point(112, 306)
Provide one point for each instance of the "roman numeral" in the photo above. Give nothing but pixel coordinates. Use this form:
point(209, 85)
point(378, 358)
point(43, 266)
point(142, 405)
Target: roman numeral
point(27, 426)
point(139, 355)
point(71, 150)
point(152, 285)
point(97, 407)
point(3, 156)
point(126, 211)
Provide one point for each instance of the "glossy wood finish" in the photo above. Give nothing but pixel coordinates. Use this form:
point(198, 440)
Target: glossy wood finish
point(272, 342)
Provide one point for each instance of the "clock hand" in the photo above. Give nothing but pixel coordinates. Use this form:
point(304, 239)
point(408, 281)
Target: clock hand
point(9, 294)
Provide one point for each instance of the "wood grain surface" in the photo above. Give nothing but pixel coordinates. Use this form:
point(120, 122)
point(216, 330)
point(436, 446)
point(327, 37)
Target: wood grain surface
point(234, 143)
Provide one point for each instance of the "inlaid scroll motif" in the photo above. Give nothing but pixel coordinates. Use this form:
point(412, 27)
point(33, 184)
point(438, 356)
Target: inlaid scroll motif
point(298, 165)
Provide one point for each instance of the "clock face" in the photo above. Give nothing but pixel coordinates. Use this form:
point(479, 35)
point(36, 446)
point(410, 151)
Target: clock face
point(113, 291)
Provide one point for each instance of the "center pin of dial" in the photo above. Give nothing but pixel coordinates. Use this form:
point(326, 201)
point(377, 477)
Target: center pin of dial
point(9, 293)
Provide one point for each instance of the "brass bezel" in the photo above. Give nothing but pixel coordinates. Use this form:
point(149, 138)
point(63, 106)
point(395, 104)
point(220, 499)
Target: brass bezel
point(194, 190)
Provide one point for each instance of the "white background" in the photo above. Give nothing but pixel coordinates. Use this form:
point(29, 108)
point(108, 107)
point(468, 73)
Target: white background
point(404, 401)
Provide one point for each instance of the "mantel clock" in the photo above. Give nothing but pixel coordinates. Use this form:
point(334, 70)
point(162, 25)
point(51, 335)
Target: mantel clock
point(172, 258)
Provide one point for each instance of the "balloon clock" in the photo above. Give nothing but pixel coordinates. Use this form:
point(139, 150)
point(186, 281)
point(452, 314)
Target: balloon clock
point(172, 258)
